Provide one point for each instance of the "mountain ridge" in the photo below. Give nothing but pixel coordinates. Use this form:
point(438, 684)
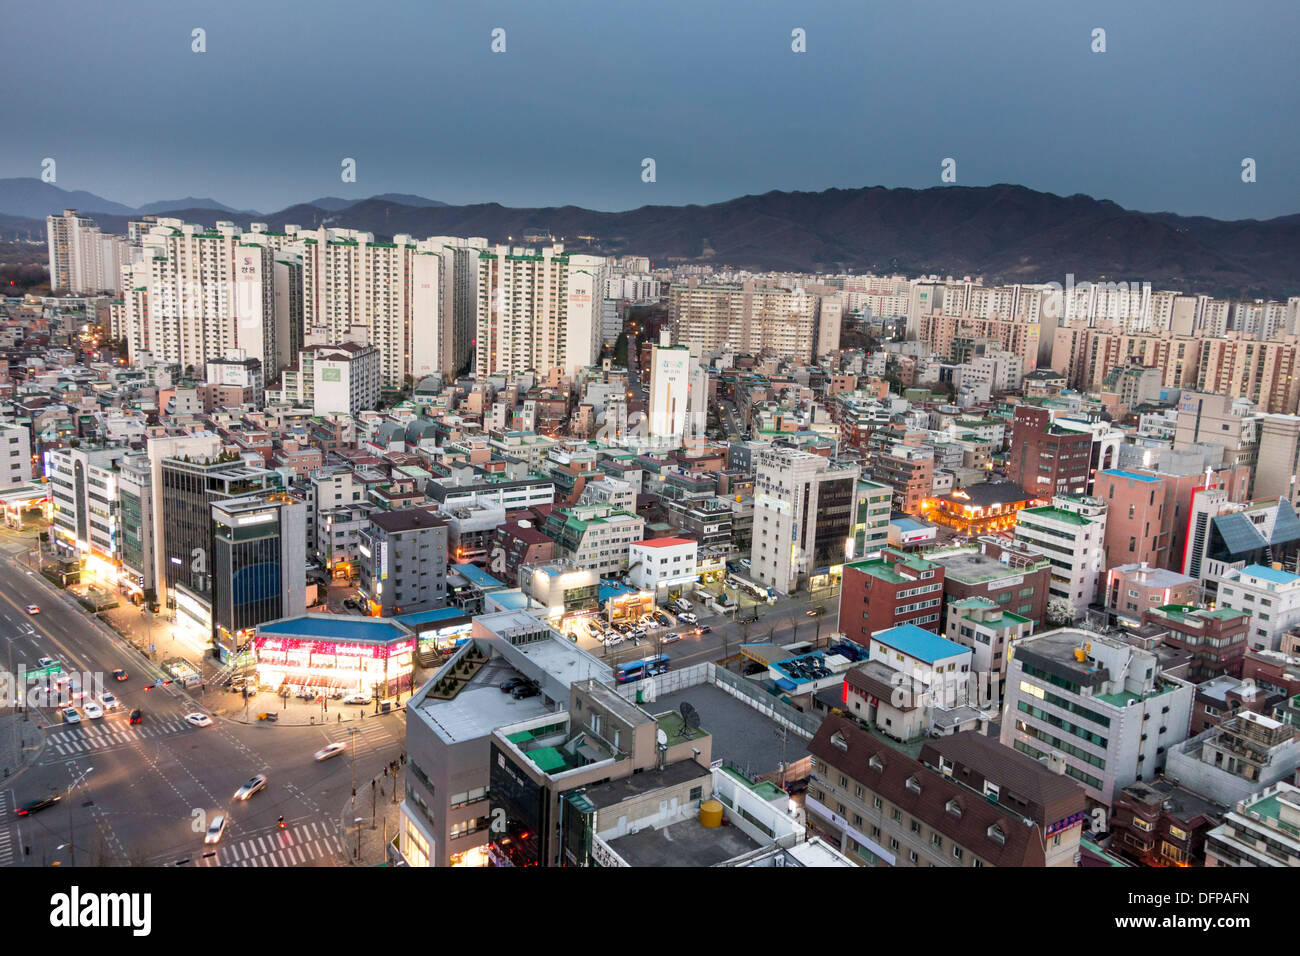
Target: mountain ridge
point(1002, 232)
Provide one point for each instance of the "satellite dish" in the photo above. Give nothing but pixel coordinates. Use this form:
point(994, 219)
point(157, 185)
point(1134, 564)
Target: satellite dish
point(690, 716)
point(661, 737)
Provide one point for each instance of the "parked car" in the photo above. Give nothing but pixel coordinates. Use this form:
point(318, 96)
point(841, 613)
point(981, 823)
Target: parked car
point(525, 690)
point(357, 699)
point(508, 685)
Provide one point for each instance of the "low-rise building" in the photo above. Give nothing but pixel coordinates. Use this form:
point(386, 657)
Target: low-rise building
point(1163, 824)
point(1270, 595)
point(663, 563)
point(1133, 588)
point(1260, 831)
point(894, 588)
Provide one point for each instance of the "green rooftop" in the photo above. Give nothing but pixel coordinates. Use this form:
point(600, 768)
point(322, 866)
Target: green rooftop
point(1057, 514)
point(1122, 699)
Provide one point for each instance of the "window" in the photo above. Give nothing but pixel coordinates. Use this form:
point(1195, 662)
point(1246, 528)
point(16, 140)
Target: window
point(956, 853)
point(696, 793)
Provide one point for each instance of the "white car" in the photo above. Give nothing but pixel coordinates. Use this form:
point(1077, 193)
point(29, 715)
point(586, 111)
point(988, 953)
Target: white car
point(331, 750)
point(46, 662)
point(33, 609)
point(70, 715)
point(689, 618)
point(198, 720)
point(75, 692)
point(357, 699)
point(215, 829)
point(612, 638)
point(250, 788)
point(110, 702)
point(92, 710)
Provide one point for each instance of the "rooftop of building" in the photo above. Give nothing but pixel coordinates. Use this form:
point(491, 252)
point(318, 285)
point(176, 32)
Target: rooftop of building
point(337, 627)
point(1271, 575)
point(407, 519)
point(616, 791)
point(663, 542)
point(884, 569)
point(685, 844)
point(1117, 473)
point(742, 736)
point(1052, 513)
point(1182, 804)
point(919, 643)
point(971, 566)
point(985, 494)
point(1154, 577)
point(480, 707)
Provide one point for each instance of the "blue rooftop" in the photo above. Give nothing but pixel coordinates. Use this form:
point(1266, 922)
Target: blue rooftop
point(908, 523)
point(426, 617)
point(1269, 574)
point(919, 643)
point(1130, 474)
point(337, 628)
point(478, 577)
point(613, 589)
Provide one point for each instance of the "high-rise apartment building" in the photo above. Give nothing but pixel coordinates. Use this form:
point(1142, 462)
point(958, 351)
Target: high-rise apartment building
point(745, 318)
point(670, 382)
point(538, 311)
point(82, 259)
point(197, 294)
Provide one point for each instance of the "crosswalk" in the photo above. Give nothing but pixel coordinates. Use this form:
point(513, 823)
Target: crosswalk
point(371, 735)
point(8, 845)
point(89, 736)
point(307, 844)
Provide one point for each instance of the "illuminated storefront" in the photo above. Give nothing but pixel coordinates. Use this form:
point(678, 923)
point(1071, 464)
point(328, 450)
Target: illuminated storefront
point(324, 652)
point(983, 508)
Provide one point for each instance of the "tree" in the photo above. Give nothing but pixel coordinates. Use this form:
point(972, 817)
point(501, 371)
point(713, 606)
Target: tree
point(1060, 612)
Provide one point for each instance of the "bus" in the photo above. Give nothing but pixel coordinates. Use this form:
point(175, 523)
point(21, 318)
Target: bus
point(639, 670)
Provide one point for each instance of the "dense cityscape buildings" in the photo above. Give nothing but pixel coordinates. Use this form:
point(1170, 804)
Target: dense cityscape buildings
point(1018, 569)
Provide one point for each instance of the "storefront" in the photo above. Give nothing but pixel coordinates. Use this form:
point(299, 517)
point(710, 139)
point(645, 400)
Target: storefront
point(325, 653)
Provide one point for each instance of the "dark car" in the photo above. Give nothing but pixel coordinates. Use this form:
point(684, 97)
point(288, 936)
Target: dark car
point(525, 690)
point(703, 629)
point(119, 674)
point(32, 806)
point(137, 715)
point(508, 685)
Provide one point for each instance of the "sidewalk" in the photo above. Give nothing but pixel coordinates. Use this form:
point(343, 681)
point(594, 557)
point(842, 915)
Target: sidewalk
point(21, 741)
point(377, 832)
point(293, 713)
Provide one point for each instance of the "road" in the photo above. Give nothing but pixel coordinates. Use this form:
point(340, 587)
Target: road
point(785, 622)
point(147, 792)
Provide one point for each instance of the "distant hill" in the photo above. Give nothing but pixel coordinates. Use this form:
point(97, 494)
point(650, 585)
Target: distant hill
point(1004, 233)
point(31, 198)
point(189, 202)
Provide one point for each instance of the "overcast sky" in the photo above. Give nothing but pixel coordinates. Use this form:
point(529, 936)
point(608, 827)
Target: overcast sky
point(588, 88)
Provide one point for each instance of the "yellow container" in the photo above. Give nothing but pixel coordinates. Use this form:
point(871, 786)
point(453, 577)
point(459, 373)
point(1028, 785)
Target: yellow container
point(710, 814)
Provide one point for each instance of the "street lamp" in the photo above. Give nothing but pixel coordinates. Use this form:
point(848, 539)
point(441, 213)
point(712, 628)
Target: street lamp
point(72, 850)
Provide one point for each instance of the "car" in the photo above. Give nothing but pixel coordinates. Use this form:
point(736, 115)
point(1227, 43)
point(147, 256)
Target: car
point(613, 639)
point(198, 720)
point(35, 806)
point(137, 715)
point(816, 611)
point(46, 662)
point(33, 609)
point(92, 710)
point(689, 618)
point(70, 715)
point(251, 787)
point(357, 699)
point(75, 691)
point(110, 702)
point(119, 674)
point(331, 750)
point(508, 685)
point(525, 690)
point(670, 638)
point(703, 629)
point(215, 829)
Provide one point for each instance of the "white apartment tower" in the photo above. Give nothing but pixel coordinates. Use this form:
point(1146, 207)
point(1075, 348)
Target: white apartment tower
point(670, 382)
point(538, 310)
point(1071, 534)
point(196, 294)
point(82, 259)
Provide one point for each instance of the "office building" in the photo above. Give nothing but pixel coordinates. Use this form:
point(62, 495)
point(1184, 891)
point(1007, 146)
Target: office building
point(84, 506)
point(259, 563)
point(1269, 595)
point(1071, 534)
point(886, 591)
point(667, 563)
point(872, 506)
point(803, 516)
point(1101, 708)
point(1045, 459)
point(404, 561)
point(15, 455)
